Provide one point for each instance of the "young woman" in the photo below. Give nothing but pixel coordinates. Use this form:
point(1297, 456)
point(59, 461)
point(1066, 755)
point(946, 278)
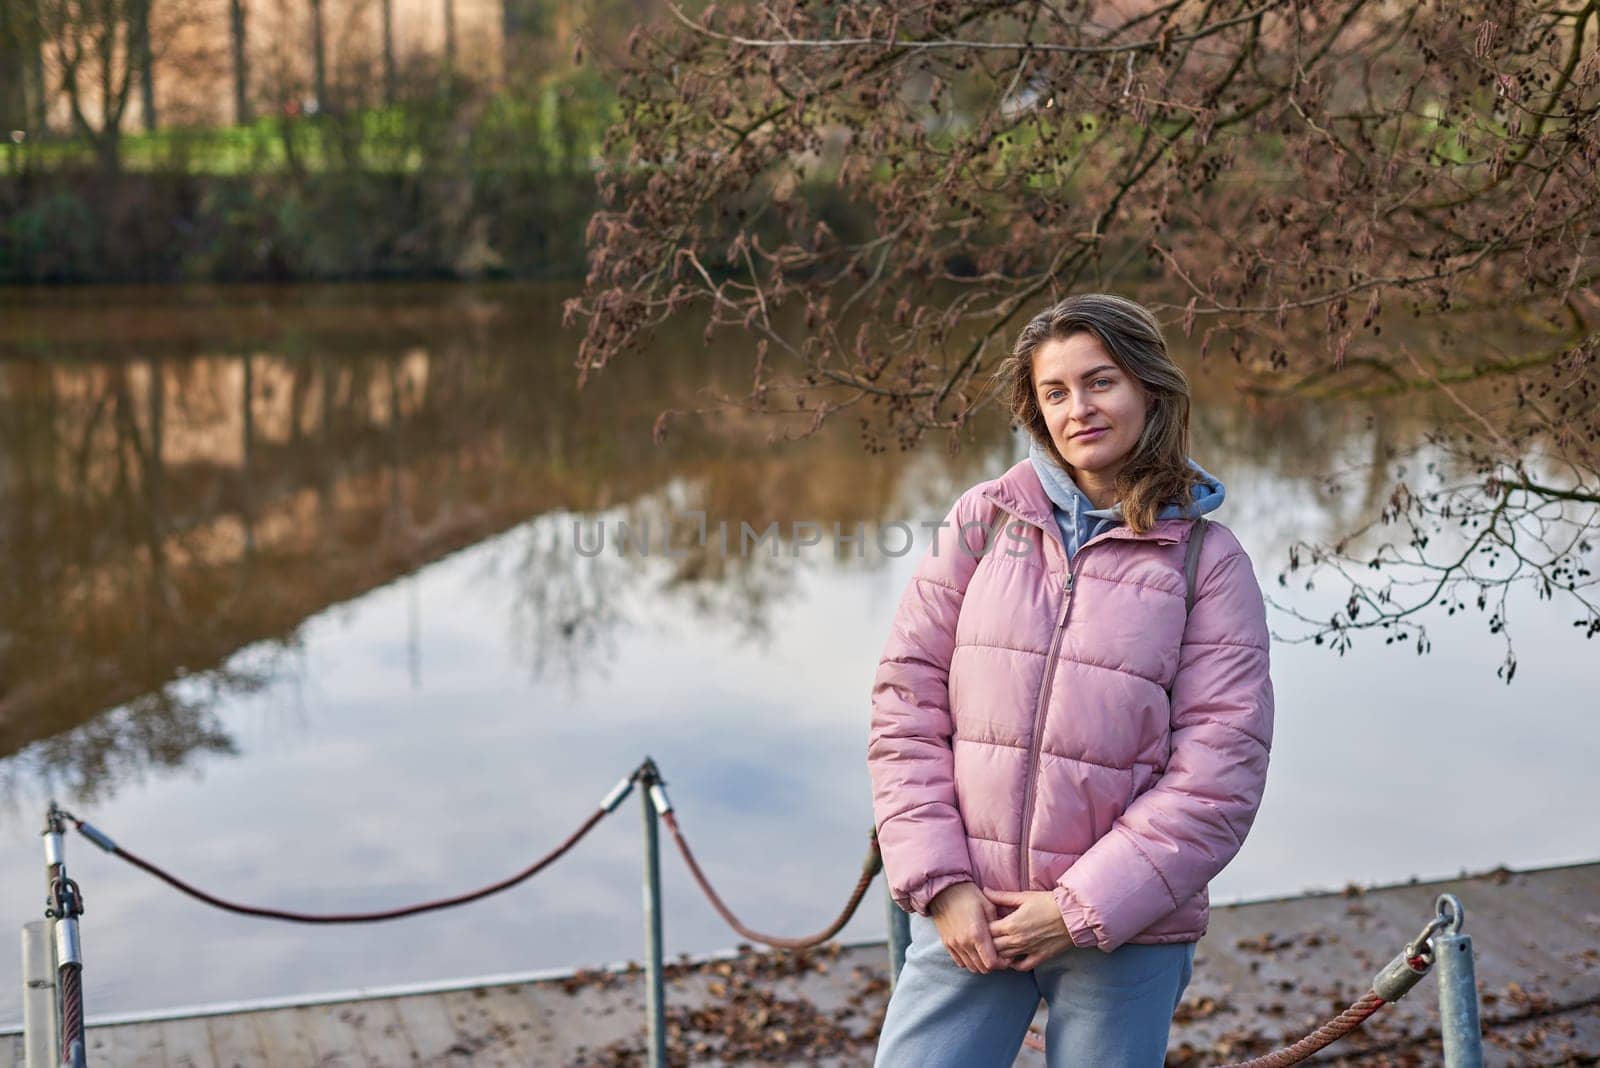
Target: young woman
point(1063, 751)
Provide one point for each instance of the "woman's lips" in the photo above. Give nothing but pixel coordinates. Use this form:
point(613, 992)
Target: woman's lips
point(1089, 435)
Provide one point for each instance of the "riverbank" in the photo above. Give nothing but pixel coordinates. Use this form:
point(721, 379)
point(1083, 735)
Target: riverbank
point(80, 226)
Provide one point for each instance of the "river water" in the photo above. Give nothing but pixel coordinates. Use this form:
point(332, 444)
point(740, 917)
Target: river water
point(291, 604)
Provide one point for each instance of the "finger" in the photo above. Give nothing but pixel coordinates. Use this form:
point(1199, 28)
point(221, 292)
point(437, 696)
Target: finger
point(988, 951)
point(990, 911)
point(983, 955)
point(975, 960)
point(1002, 897)
point(958, 954)
point(992, 958)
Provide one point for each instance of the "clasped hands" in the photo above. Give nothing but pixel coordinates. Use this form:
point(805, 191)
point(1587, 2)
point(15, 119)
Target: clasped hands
point(980, 940)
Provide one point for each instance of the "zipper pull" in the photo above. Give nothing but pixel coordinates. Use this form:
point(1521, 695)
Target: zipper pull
point(1068, 587)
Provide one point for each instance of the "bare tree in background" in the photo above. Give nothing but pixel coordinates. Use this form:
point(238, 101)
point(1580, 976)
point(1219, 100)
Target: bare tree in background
point(1292, 168)
point(319, 57)
point(40, 112)
point(22, 78)
point(145, 56)
point(95, 45)
point(16, 37)
point(389, 77)
point(238, 42)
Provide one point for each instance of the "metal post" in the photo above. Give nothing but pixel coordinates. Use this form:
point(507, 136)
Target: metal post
point(899, 939)
point(655, 997)
point(41, 1029)
point(54, 868)
point(1458, 989)
point(63, 906)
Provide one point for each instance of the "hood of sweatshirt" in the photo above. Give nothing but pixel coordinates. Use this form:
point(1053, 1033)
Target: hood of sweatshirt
point(1079, 520)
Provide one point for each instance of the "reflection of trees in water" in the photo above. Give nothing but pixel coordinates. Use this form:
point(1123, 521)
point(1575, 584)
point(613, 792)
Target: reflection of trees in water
point(160, 729)
point(150, 532)
point(158, 513)
point(565, 612)
point(570, 605)
point(736, 591)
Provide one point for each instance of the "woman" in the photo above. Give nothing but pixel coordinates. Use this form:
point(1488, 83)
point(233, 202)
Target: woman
point(1063, 753)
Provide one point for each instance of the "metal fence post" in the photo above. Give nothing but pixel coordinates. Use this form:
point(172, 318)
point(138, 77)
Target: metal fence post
point(655, 997)
point(899, 939)
point(41, 1027)
point(64, 906)
point(1458, 989)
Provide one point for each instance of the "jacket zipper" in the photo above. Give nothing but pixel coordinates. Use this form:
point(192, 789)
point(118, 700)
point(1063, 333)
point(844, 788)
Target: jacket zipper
point(1037, 741)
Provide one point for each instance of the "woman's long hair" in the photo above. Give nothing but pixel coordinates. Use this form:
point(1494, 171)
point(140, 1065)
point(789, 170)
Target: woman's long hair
point(1157, 470)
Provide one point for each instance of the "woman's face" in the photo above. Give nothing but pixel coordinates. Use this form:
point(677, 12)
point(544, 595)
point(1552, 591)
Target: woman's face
point(1095, 410)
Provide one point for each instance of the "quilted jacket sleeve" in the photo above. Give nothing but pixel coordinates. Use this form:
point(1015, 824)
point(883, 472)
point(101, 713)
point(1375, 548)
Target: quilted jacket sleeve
point(920, 830)
point(1190, 823)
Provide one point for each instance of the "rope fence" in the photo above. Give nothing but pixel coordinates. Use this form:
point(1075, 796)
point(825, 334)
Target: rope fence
point(1398, 977)
point(869, 870)
point(262, 912)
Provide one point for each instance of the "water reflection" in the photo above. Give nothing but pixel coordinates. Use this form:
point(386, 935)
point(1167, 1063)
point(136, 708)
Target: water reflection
point(162, 511)
point(289, 588)
point(186, 474)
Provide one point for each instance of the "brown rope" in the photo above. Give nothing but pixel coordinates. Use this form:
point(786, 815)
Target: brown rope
point(71, 1009)
point(869, 870)
point(358, 917)
point(1326, 1035)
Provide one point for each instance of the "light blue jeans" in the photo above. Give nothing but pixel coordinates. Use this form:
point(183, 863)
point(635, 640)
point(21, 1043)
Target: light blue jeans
point(1107, 1010)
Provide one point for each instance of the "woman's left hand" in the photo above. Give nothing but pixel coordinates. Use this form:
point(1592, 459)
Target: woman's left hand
point(1032, 932)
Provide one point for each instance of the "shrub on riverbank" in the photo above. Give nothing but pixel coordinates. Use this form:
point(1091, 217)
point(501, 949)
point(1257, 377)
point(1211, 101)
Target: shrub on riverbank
point(87, 227)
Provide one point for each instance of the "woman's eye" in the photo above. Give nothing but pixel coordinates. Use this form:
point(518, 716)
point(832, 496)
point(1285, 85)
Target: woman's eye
point(1098, 381)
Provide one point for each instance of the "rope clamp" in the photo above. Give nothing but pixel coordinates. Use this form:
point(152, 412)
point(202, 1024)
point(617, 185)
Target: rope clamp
point(658, 797)
point(97, 836)
point(618, 792)
point(69, 949)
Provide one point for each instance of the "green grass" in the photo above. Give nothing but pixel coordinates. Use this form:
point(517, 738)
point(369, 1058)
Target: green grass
point(547, 132)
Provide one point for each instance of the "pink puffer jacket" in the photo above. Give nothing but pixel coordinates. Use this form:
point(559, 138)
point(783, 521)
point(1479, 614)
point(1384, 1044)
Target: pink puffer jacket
point(1022, 735)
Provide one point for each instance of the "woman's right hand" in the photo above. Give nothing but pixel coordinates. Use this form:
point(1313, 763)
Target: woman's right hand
point(962, 913)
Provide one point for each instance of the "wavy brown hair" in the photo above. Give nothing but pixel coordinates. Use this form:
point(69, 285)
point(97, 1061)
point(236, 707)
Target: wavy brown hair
point(1157, 471)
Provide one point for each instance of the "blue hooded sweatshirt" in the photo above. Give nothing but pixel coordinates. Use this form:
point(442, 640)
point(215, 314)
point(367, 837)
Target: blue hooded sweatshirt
point(1079, 521)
